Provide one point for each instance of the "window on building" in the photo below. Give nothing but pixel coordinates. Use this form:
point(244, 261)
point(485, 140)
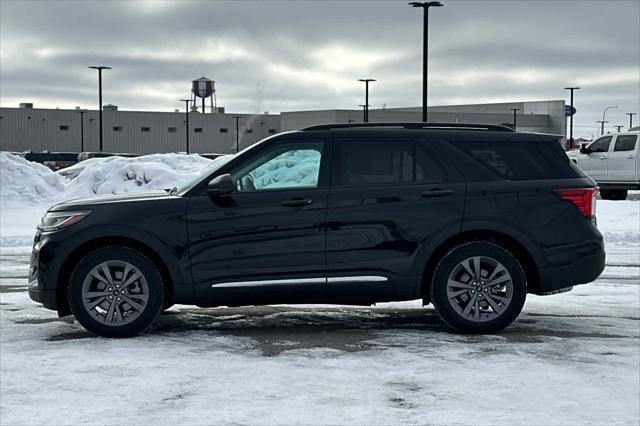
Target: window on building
point(223, 130)
point(173, 129)
point(197, 130)
point(273, 131)
point(249, 131)
point(117, 128)
point(64, 127)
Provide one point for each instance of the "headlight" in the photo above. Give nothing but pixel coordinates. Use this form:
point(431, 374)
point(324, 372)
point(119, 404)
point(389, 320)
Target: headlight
point(54, 221)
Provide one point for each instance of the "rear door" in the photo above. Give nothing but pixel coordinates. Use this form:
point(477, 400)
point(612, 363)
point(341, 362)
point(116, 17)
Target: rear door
point(594, 164)
point(388, 196)
point(622, 158)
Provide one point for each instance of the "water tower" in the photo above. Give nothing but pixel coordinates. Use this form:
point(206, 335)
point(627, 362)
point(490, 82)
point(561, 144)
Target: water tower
point(204, 88)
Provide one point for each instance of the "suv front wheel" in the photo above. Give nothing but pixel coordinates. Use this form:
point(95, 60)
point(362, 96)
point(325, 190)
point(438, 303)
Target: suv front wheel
point(479, 287)
point(116, 292)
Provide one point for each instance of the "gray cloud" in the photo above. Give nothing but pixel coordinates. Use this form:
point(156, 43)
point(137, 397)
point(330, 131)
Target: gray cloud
point(285, 55)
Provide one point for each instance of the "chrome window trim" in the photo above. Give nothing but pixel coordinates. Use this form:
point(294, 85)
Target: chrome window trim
point(318, 280)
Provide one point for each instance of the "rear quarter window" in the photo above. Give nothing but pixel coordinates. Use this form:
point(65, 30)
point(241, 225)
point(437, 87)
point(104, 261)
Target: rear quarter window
point(521, 160)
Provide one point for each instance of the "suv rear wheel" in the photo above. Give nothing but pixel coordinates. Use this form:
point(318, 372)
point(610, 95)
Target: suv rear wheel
point(479, 287)
point(116, 292)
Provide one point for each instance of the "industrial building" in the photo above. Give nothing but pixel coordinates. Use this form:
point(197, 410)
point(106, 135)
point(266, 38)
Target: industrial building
point(34, 129)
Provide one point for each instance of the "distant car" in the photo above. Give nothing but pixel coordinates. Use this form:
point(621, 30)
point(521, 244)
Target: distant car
point(211, 155)
point(613, 161)
point(470, 218)
point(86, 155)
point(54, 160)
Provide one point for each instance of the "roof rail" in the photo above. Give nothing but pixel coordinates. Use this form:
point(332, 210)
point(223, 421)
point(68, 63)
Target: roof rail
point(468, 126)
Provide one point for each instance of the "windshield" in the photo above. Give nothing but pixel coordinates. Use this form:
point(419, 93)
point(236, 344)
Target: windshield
point(215, 165)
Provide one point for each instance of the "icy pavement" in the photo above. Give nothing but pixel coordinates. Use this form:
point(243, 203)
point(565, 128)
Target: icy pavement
point(572, 358)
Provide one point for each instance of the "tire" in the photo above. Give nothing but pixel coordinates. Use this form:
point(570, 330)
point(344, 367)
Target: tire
point(613, 194)
point(116, 292)
point(472, 305)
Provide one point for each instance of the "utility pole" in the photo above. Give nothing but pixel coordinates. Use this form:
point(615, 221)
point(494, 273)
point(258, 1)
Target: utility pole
point(514, 116)
point(82, 112)
point(602, 122)
point(186, 105)
point(618, 128)
point(366, 97)
point(630, 114)
point(364, 113)
point(425, 49)
point(571, 116)
point(100, 68)
point(237, 117)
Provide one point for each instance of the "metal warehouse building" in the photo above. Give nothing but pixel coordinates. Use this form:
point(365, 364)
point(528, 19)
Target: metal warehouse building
point(26, 128)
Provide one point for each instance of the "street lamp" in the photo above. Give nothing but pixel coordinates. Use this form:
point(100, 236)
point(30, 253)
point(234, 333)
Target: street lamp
point(366, 97)
point(630, 114)
point(425, 43)
point(186, 111)
point(514, 116)
point(364, 112)
point(237, 117)
point(602, 122)
point(603, 117)
point(82, 112)
point(100, 68)
point(618, 128)
point(571, 116)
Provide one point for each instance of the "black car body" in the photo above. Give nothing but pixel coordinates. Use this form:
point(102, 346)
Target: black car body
point(387, 208)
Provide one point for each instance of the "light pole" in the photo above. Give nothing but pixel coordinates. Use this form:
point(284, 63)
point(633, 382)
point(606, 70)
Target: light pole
point(82, 112)
point(237, 117)
point(364, 113)
point(366, 97)
point(425, 49)
point(630, 114)
point(602, 122)
point(186, 105)
point(604, 113)
point(514, 116)
point(100, 68)
point(571, 116)
point(618, 128)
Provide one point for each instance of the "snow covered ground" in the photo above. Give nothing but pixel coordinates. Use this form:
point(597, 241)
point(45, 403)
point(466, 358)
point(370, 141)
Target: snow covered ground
point(572, 358)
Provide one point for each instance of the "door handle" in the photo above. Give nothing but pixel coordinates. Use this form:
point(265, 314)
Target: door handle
point(296, 203)
point(437, 193)
point(602, 158)
point(630, 157)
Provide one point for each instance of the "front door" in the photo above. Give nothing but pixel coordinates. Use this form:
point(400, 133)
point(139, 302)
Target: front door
point(265, 242)
point(594, 164)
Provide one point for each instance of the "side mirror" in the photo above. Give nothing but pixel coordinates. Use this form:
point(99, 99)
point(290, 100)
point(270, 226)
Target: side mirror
point(584, 149)
point(221, 185)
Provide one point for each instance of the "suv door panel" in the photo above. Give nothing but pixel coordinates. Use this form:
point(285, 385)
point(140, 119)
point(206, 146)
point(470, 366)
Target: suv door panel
point(377, 230)
point(622, 158)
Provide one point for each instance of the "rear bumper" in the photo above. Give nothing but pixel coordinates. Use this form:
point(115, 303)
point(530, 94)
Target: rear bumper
point(584, 270)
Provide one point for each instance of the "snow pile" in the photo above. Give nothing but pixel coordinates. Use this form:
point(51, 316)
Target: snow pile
point(25, 182)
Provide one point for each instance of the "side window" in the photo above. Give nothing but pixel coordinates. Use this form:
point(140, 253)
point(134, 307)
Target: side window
point(625, 143)
point(284, 166)
point(601, 145)
point(366, 162)
point(427, 169)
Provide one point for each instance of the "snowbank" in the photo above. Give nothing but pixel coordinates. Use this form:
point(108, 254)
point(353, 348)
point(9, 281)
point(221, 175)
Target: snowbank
point(28, 189)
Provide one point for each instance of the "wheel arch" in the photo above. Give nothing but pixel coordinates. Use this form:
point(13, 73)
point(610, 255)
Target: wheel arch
point(169, 277)
point(514, 246)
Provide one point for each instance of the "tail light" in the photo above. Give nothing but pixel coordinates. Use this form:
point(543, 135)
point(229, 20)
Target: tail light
point(583, 198)
point(57, 167)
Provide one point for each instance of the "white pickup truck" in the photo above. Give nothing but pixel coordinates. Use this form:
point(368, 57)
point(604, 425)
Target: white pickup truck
point(613, 161)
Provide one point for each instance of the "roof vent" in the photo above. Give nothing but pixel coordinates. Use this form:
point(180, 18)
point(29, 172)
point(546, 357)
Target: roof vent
point(110, 107)
point(26, 105)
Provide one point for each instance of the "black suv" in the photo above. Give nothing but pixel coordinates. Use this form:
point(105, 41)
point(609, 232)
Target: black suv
point(470, 218)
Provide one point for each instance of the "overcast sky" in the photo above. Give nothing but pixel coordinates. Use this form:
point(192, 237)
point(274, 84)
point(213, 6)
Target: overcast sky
point(290, 55)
